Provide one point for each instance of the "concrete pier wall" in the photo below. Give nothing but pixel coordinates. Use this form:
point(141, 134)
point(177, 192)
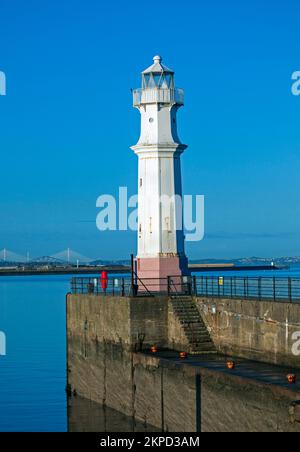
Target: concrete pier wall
point(104, 366)
point(260, 330)
point(234, 404)
point(130, 322)
point(173, 397)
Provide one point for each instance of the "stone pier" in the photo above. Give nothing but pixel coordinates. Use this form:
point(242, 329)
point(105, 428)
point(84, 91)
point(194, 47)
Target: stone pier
point(109, 363)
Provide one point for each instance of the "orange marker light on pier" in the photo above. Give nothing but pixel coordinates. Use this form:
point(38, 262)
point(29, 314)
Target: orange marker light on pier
point(230, 365)
point(291, 378)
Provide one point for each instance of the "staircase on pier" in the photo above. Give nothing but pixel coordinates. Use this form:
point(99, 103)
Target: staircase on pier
point(193, 325)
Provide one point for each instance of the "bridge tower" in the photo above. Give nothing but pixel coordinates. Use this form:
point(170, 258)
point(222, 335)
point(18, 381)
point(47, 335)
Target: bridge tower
point(161, 251)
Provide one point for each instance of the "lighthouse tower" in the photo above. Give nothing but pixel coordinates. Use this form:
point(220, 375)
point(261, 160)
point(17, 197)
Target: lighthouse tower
point(160, 231)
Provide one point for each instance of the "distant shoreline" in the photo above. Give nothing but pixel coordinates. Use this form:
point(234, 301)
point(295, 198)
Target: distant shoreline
point(25, 271)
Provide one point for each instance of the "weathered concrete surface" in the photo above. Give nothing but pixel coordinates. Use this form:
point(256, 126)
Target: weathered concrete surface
point(103, 333)
point(131, 322)
point(133, 384)
point(232, 404)
point(87, 416)
point(104, 367)
point(177, 339)
point(177, 397)
point(259, 330)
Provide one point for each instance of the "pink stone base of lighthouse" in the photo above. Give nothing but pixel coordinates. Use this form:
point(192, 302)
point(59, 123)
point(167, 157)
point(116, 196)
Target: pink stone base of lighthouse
point(154, 272)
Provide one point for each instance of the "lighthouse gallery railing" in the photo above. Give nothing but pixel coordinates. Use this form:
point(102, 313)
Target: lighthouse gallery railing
point(159, 96)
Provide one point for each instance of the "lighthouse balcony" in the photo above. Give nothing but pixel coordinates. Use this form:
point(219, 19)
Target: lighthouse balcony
point(158, 96)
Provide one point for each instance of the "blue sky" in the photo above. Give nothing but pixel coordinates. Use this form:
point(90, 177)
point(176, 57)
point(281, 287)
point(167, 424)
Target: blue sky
point(67, 121)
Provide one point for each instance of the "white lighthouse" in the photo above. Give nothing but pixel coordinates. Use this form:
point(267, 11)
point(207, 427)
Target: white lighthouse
point(160, 232)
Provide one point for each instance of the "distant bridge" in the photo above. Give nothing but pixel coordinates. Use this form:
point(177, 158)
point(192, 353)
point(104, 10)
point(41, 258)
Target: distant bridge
point(68, 256)
point(9, 256)
point(71, 257)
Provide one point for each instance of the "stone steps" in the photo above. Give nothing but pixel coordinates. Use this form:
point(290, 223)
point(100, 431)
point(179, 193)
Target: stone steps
point(197, 334)
point(193, 320)
point(193, 326)
point(204, 347)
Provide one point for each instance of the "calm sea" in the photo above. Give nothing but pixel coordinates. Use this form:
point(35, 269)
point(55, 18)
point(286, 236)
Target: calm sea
point(33, 372)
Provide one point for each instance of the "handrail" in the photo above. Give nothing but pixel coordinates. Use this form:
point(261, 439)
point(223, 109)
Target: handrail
point(268, 288)
point(277, 289)
point(140, 280)
point(158, 95)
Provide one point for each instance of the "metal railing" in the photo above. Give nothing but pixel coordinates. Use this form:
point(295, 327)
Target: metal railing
point(246, 288)
point(124, 287)
point(115, 286)
point(158, 96)
point(251, 288)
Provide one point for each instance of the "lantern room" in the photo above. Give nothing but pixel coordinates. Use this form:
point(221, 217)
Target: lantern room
point(158, 76)
point(158, 86)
